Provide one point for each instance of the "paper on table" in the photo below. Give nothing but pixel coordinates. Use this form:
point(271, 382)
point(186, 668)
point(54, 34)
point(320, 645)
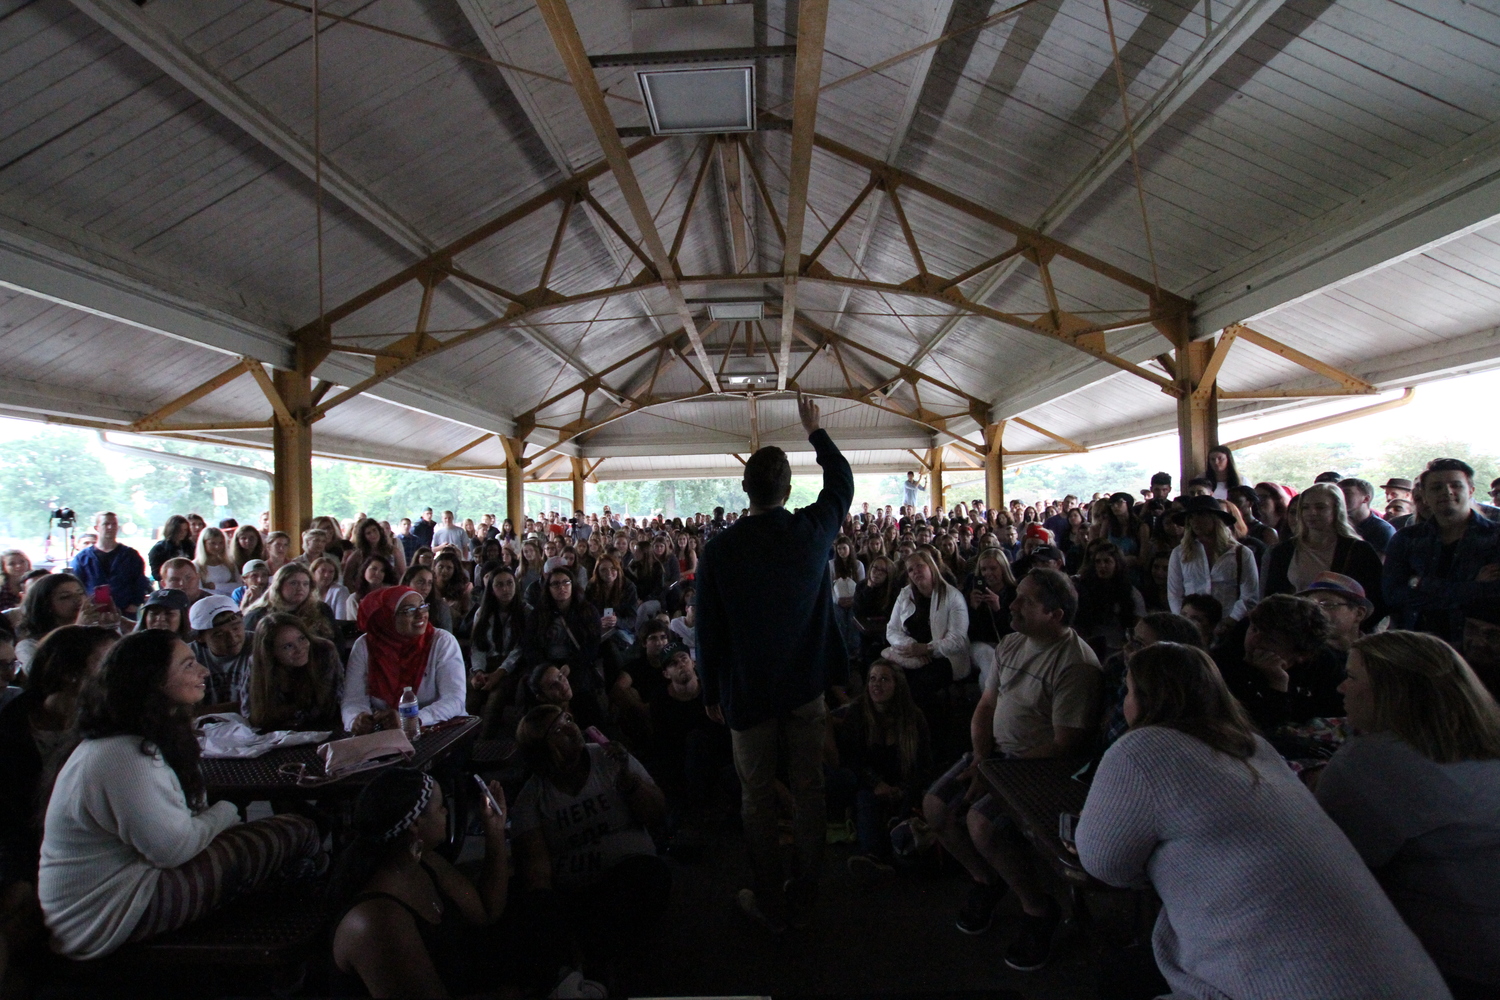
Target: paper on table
point(228, 735)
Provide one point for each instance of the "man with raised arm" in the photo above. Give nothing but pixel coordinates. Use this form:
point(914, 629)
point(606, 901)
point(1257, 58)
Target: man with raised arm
point(767, 640)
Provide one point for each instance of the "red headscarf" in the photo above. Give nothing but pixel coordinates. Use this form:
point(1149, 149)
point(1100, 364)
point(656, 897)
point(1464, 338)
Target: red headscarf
point(394, 661)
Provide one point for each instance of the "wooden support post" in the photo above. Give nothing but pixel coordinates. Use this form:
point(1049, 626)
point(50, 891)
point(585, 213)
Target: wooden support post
point(578, 479)
point(1197, 412)
point(994, 473)
point(935, 480)
point(291, 448)
point(515, 484)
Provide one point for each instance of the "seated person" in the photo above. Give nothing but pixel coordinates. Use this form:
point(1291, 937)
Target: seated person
point(988, 590)
point(884, 759)
point(414, 925)
point(1204, 611)
point(423, 580)
point(1280, 665)
point(688, 752)
point(296, 678)
point(1160, 626)
point(684, 626)
point(495, 651)
point(564, 628)
point(36, 736)
point(131, 848)
point(291, 592)
point(257, 578)
point(638, 677)
point(613, 593)
point(181, 574)
point(581, 831)
point(222, 648)
point(549, 684)
point(1050, 678)
point(1344, 601)
point(167, 609)
point(400, 649)
point(1262, 896)
point(874, 598)
point(55, 600)
point(928, 630)
point(1418, 794)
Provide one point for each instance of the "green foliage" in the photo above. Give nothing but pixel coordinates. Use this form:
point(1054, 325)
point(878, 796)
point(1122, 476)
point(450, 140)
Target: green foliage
point(49, 469)
point(169, 488)
point(1297, 465)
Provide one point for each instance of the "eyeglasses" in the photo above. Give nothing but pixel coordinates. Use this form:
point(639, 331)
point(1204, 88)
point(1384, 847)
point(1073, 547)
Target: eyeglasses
point(414, 611)
point(560, 583)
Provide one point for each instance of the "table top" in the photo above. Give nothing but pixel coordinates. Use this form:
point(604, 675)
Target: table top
point(263, 777)
point(1035, 793)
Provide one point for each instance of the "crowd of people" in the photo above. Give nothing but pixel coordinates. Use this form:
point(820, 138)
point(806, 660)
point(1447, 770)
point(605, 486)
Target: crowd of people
point(1283, 696)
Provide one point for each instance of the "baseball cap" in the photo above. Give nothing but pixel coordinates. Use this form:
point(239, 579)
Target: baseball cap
point(672, 649)
point(167, 598)
point(1051, 553)
point(255, 564)
point(202, 614)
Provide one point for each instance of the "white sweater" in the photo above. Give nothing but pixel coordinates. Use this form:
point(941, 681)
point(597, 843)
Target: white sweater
point(116, 819)
point(949, 617)
point(441, 695)
point(1234, 580)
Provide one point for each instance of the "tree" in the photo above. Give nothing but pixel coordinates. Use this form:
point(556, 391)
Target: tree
point(53, 468)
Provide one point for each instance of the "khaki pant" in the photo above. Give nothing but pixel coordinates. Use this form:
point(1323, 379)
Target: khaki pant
point(798, 735)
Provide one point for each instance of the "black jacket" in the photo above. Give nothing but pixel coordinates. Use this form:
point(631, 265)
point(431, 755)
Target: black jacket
point(1353, 557)
point(767, 638)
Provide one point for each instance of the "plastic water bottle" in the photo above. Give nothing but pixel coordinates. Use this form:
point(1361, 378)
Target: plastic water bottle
point(407, 709)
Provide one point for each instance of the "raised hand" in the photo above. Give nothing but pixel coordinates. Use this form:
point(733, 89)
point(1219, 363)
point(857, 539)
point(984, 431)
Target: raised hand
point(807, 412)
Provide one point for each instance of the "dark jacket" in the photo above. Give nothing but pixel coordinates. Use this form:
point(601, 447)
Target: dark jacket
point(1429, 590)
point(125, 574)
point(581, 638)
point(1353, 557)
point(766, 632)
point(164, 550)
point(20, 778)
point(1312, 690)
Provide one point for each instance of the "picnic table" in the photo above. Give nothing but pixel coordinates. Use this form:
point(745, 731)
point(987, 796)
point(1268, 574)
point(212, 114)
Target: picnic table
point(1034, 794)
point(273, 775)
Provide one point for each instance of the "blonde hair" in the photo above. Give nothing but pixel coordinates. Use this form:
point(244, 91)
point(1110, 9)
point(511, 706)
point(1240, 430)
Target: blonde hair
point(1341, 525)
point(1427, 694)
point(204, 559)
point(1223, 539)
point(939, 585)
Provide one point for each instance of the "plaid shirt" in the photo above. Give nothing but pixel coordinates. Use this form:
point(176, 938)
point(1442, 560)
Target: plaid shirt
point(228, 676)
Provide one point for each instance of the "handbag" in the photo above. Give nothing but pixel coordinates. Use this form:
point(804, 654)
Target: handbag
point(354, 754)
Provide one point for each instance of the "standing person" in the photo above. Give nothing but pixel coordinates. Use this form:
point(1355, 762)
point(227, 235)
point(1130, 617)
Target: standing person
point(451, 534)
point(175, 541)
point(910, 489)
point(1323, 541)
point(1219, 469)
point(766, 643)
point(107, 562)
point(1371, 526)
point(424, 527)
point(1210, 561)
point(1440, 571)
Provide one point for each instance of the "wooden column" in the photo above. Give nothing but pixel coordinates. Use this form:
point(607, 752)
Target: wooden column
point(577, 477)
point(515, 484)
point(935, 479)
point(994, 475)
point(1197, 412)
point(291, 446)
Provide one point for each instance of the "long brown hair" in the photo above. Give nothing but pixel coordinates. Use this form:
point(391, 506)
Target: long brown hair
point(1179, 687)
point(597, 593)
point(309, 611)
point(1427, 694)
point(899, 717)
point(269, 680)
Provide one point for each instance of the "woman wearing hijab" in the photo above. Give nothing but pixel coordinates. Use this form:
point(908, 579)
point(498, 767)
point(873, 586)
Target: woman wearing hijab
point(400, 649)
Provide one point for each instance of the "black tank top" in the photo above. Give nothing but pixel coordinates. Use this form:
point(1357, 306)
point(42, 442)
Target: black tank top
point(447, 942)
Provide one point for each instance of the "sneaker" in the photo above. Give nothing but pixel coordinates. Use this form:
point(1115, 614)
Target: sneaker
point(1033, 945)
point(979, 909)
point(574, 987)
point(868, 864)
point(750, 907)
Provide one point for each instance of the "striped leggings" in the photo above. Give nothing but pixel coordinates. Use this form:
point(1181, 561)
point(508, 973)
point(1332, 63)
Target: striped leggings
point(238, 859)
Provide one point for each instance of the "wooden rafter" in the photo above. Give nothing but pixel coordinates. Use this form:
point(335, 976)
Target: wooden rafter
point(438, 465)
point(1349, 385)
point(911, 238)
point(812, 22)
point(565, 38)
point(692, 199)
point(272, 394)
point(842, 220)
point(156, 419)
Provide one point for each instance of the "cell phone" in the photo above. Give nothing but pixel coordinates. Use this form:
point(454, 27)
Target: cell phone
point(593, 735)
point(102, 596)
point(1065, 824)
point(609, 612)
point(488, 794)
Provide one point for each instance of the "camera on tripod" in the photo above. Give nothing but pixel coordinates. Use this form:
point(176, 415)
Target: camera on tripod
point(64, 517)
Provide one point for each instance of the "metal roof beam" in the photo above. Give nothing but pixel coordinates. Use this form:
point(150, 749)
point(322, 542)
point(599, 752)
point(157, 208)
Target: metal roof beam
point(812, 23)
point(113, 283)
point(1222, 42)
point(477, 13)
point(1441, 199)
point(569, 46)
point(921, 67)
point(129, 23)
